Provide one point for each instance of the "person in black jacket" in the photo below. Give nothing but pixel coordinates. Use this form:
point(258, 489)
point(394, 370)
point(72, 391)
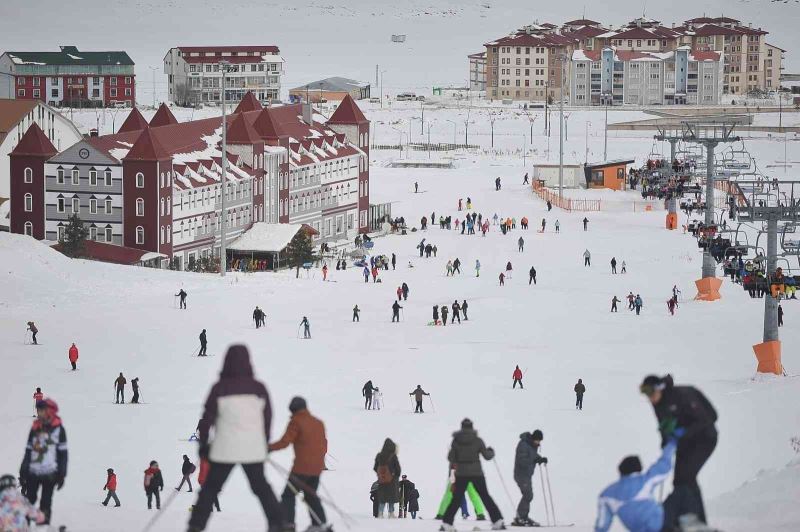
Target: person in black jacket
point(186, 470)
point(406, 488)
point(387, 467)
point(203, 344)
point(135, 386)
point(464, 308)
point(580, 389)
point(366, 392)
point(182, 294)
point(396, 312)
point(532, 276)
point(683, 412)
point(525, 461)
point(153, 485)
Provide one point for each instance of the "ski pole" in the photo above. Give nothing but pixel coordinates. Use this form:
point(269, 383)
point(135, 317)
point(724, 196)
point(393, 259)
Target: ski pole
point(550, 490)
point(502, 481)
point(544, 495)
point(158, 514)
point(433, 407)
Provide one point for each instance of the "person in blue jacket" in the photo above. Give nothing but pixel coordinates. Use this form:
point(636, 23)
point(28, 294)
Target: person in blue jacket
point(632, 498)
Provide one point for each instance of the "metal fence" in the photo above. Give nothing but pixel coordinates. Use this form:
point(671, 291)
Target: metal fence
point(587, 205)
point(439, 146)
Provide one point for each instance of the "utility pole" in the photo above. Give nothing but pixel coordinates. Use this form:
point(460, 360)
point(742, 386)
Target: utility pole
point(422, 125)
point(605, 141)
point(154, 85)
point(429, 141)
point(223, 255)
point(561, 134)
point(586, 158)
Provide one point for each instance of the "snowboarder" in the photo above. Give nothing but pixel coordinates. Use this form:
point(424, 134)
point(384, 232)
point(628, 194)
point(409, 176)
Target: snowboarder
point(111, 488)
point(780, 317)
point(465, 452)
point(135, 386)
point(356, 314)
point(306, 434)
point(464, 308)
point(396, 312)
point(558, 226)
point(613, 265)
point(683, 412)
point(240, 437)
point(477, 268)
point(521, 244)
point(532, 276)
point(419, 394)
point(119, 386)
point(73, 356)
point(586, 224)
point(405, 290)
point(306, 328)
point(187, 468)
point(387, 468)
point(587, 258)
point(638, 304)
point(153, 485)
point(633, 497)
point(456, 313)
point(37, 396)
point(203, 344)
point(614, 302)
point(45, 461)
point(182, 294)
point(32, 328)
point(502, 279)
point(526, 459)
point(436, 314)
point(444, 315)
point(580, 389)
point(517, 376)
point(15, 510)
point(367, 392)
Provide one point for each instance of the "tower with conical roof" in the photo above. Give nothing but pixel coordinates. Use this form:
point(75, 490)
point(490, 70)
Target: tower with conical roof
point(163, 117)
point(134, 122)
point(350, 121)
point(27, 182)
point(245, 143)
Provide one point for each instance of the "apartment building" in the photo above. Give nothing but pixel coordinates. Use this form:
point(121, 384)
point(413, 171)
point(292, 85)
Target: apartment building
point(477, 72)
point(194, 73)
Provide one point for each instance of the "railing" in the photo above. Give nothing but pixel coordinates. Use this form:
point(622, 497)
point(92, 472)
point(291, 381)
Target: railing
point(568, 204)
point(441, 146)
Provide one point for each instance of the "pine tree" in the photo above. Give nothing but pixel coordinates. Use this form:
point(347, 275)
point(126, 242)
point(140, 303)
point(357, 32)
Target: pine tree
point(300, 250)
point(75, 235)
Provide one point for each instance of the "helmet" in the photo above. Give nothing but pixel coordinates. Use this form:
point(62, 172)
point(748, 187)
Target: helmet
point(7, 481)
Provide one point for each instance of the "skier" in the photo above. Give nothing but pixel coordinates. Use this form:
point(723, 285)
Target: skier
point(494, 219)
point(366, 273)
point(525, 179)
point(416, 187)
point(477, 268)
point(203, 344)
point(111, 488)
point(614, 302)
point(624, 268)
point(182, 294)
point(780, 317)
point(558, 226)
point(459, 204)
point(325, 271)
point(119, 386)
point(580, 389)
point(240, 437)
point(394, 260)
point(306, 328)
point(306, 434)
point(683, 412)
point(15, 510)
point(32, 328)
point(671, 306)
point(135, 386)
point(587, 258)
point(633, 497)
point(497, 185)
point(638, 304)
point(631, 299)
point(418, 394)
point(464, 308)
point(356, 313)
point(405, 291)
point(366, 392)
point(396, 312)
point(153, 485)
point(544, 224)
point(521, 244)
point(585, 224)
point(444, 315)
point(45, 460)
point(517, 376)
point(187, 468)
point(465, 452)
point(613, 265)
point(436, 314)
point(456, 266)
point(73, 356)
point(387, 468)
point(257, 317)
point(525, 460)
point(532, 276)
point(456, 313)
point(502, 279)
point(37, 396)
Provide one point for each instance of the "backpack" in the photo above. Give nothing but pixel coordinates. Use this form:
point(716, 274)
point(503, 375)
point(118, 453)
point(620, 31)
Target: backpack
point(384, 474)
point(192, 468)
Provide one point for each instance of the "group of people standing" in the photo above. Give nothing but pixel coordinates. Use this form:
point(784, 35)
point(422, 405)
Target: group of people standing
point(458, 310)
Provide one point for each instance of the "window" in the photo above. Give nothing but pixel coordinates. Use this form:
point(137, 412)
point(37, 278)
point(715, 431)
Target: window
point(139, 207)
point(76, 179)
point(109, 236)
point(54, 93)
point(127, 92)
point(76, 205)
point(93, 233)
point(139, 180)
point(60, 207)
point(108, 206)
point(28, 175)
point(127, 80)
point(169, 234)
point(37, 93)
point(140, 235)
point(21, 80)
point(113, 82)
point(113, 93)
point(162, 206)
point(93, 178)
point(107, 176)
point(60, 176)
point(61, 231)
point(28, 202)
point(28, 229)
point(21, 93)
point(93, 206)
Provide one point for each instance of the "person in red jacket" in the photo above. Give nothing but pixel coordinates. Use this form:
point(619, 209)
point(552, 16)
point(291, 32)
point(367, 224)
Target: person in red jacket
point(111, 488)
point(37, 396)
point(517, 377)
point(73, 356)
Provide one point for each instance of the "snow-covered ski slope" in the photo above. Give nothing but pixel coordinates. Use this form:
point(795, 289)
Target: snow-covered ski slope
point(124, 319)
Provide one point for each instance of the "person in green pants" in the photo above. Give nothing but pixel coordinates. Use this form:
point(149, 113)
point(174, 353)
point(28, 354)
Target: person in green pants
point(474, 498)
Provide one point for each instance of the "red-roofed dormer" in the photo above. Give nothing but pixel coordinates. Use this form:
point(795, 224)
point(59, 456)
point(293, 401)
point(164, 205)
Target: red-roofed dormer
point(134, 122)
point(249, 103)
point(163, 117)
point(27, 182)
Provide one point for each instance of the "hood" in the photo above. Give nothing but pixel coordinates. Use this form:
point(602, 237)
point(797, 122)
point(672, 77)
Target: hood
point(465, 435)
point(525, 436)
point(237, 363)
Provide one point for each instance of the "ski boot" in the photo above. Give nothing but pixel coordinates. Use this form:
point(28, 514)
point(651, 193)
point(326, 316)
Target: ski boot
point(447, 528)
point(524, 521)
point(480, 517)
point(498, 525)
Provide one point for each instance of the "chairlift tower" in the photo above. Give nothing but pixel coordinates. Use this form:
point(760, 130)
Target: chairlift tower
point(709, 135)
point(771, 202)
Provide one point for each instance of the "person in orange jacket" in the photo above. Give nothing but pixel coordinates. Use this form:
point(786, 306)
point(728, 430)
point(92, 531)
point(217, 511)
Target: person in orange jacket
point(111, 488)
point(73, 356)
point(517, 377)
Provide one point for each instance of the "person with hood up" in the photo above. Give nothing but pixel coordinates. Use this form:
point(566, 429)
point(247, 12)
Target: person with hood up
point(73, 356)
point(419, 394)
point(404, 288)
point(153, 485)
point(517, 376)
point(465, 452)
point(306, 434)
point(436, 314)
point(521, 244)
point(135, 386)
point(525, 461)
point(367, 392)
point(15, 510)
point(238, 408)
point(45, 461)
point(119, 386)
point(187, 468)
point(579, 389)
point(464, 309)
point(683, 412)
point(111, 488)
point(387, 467)
point(32, 328)
point(633, 497)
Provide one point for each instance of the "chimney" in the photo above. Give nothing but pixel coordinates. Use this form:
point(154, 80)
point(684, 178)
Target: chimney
point(93, 132)
point(308, 113)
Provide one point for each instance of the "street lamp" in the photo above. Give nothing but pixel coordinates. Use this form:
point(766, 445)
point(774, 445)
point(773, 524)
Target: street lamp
point(586, 159)
point(154, 85)
point(401, 140)
point(381, 87)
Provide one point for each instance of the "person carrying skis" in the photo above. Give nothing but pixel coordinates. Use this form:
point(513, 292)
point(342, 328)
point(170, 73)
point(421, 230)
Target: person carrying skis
point(525, 460)
point(45, 461)
point(580, 389)
point(306, 434)
point(521, 244)
point(405, 290)
point(387, 468)
point(356, 314)
point(111, 488)
point(203, 344)
point(683, 412)
point(187, 468)
point(182, 294)
point(532, 276)
point(16, 512)
point(366, 392)
point(135, 386)
point(436, 314)
point(465, 452)
point(153, 485)
point(396, 312)
point(119, 386)
point(614, 302)
point(464, 308)
point(586, 224)
point(633, 497)
point(306, 328)
point(419, 394)
point(477, 268)
point(517, 376)
point(73, 356)
point(613, 265)
point(502, 279)
point(456, 312)
point(37, 396)
point(444, 315)
point(587, 258)
point(238, 408)
point(32, 328)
